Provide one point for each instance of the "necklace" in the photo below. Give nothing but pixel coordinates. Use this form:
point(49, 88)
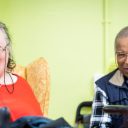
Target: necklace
point(11, 84)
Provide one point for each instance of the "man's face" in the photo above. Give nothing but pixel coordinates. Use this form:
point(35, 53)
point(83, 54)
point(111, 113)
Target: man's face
point(122, 55)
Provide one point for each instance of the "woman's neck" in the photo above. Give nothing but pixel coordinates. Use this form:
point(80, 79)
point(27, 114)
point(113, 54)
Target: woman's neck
point(7, 78)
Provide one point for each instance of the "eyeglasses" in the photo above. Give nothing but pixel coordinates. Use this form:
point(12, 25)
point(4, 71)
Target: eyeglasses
point(121, 55)
point(3, 49)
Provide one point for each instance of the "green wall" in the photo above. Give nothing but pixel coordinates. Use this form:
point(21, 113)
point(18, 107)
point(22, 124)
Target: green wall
point(75, 37)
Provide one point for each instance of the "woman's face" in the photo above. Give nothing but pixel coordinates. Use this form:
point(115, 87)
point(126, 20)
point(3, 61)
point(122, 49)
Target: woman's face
point(3, 52)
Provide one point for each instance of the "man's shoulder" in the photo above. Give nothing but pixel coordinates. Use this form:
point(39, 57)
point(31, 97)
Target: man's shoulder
point(105, 79)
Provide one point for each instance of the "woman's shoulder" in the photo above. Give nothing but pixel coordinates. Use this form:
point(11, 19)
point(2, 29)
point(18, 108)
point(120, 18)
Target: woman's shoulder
point(17, 78)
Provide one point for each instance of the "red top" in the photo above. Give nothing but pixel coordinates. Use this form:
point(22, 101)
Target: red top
point(21, 102)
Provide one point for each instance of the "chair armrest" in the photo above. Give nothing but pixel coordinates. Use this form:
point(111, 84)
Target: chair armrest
point(118, 109)
point(79, 116)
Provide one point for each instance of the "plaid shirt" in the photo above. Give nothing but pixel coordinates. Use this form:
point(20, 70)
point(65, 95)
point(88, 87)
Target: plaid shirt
point(99, 119)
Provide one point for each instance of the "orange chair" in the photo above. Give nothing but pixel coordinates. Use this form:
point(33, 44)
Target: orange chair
point(37, 75)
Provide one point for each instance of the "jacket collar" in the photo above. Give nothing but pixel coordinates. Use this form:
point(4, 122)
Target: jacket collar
point(117, 78)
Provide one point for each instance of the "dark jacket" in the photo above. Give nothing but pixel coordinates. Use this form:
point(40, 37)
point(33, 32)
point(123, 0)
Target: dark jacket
point(116, 89)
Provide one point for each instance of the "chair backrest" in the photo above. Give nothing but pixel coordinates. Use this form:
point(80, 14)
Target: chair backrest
point(38, 76)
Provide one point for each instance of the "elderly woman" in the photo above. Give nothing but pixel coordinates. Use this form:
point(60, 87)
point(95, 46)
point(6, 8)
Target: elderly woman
point(18, 105)
point(15, 92)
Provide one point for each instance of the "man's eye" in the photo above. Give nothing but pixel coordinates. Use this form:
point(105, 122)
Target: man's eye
point(121, 54)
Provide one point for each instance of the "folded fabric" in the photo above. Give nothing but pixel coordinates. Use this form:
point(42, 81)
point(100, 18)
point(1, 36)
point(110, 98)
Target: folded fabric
point(30, 121)
point(39, 122)
point(4, 117)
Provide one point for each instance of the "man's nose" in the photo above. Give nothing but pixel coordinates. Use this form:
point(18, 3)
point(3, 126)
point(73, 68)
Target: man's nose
point(126, 60)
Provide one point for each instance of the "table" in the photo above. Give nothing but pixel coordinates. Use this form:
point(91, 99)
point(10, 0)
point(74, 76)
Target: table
point(118, 109)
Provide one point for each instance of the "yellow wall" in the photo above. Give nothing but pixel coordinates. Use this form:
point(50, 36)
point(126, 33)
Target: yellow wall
point(75, 37)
